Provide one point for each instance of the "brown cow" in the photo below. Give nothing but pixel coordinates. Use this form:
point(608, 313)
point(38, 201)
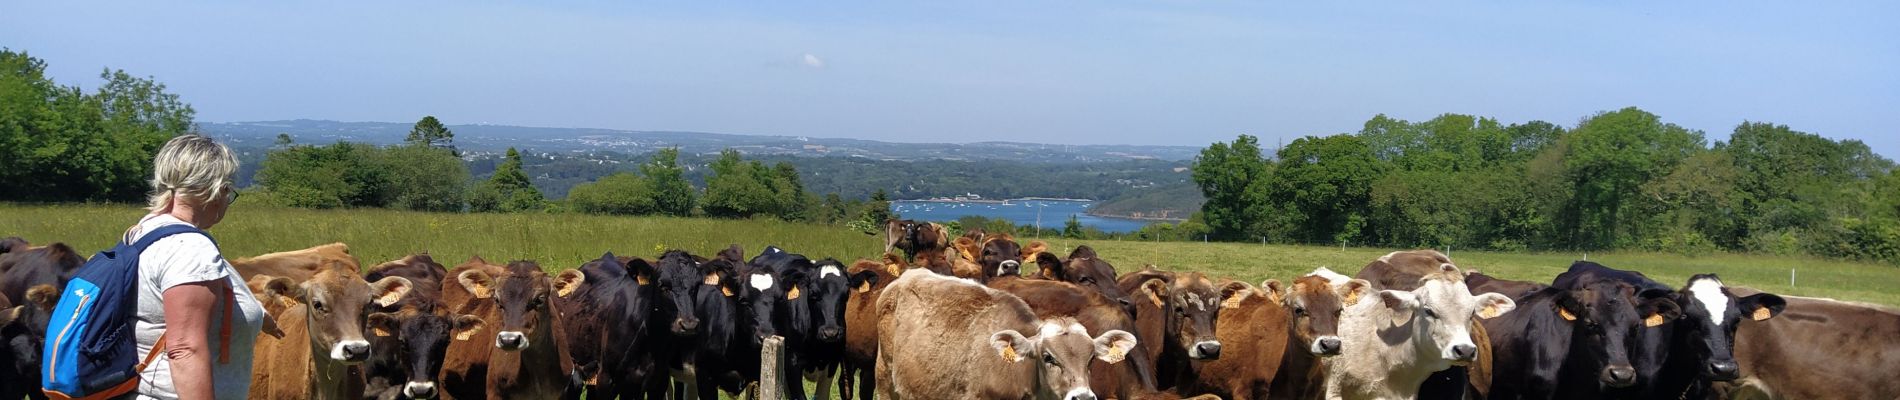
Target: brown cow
point(1251, 329)
point(23, 267)
point(1083, 267)
point(528, 363)
point(1481, 283)
point(298, 265)
point(1818, 349)
point(465, 363)
point(1188, 305)
point(860, 334)
point(321, 349)
point(1316, 301)
point(914, 236)
point(1403, 271)
point(1052, 299)
point(941, 337)
point(22, 334)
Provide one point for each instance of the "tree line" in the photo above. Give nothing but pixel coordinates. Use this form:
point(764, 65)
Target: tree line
point(65, 143)
point(1622, 179)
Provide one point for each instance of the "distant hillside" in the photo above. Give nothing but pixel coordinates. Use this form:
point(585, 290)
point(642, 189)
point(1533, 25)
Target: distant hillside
point(495, 138)
point(1174, 201)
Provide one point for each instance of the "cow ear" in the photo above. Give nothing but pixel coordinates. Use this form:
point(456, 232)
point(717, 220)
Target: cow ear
point(1275, 292)
point(967, 248)
point(1156, 289)
point(44, 296)
point(1401, 303)
point(466, 326)
point(1233, 293)
point(1112, 346)
point(1657, 311)
point(11, 314)
point(1762, 306)
point(283, 287)
point(477, 282)
point(1565, 303)
point(568, 281)
point(390, 290)
point(863, 281)
point(1491, 305)
point(1353, 290)
point(382, 324)
point(1034, 248)
point(1051, 267)
point(642, 271)
point(1010, 345)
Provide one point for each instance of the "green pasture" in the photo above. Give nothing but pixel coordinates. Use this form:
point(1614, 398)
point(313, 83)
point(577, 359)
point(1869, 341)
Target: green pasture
point(560, 241)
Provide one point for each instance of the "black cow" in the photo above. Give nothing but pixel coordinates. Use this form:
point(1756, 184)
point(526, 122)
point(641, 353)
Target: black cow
point(23, 267)
point(723, 353)
point(1684, 355)
point(23, 333)
point(1564, 343)
point(422, 341)
point(605, 306)
point(811, 317)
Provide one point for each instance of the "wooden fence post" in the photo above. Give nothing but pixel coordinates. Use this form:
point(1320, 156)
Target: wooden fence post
point(771, 386)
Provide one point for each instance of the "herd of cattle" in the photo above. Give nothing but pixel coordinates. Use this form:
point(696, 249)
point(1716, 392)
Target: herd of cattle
point(938, 317)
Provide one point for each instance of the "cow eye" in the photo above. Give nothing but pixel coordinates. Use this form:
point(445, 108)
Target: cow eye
point(1299, 310)
point(1431, 314)
point(1180, 310)
point(319, 306)
point(1050, 359)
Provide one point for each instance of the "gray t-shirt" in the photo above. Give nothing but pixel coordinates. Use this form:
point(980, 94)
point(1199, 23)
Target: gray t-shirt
point(183, 259)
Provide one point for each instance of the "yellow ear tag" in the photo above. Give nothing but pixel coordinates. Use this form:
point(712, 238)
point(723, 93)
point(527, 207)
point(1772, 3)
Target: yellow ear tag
point(1654, 320)
point(864, 287)
point(1762, 314)
point(1009, 354)
point(380, 332)
point(725, 290)
point(1562, 312)
point(1352, 298)
point(793, 294)
point(642, 279)
point(711, 279)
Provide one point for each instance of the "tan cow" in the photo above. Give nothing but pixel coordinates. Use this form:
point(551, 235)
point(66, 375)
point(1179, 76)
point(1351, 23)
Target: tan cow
point(322, 344)
point(942, 337)
point(298, 265)
point(526, 361)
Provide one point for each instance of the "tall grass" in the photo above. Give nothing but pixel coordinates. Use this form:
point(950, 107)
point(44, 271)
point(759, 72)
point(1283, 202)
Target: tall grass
point(560, 241)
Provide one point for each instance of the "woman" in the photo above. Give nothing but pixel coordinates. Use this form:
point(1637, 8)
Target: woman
point(185, 284)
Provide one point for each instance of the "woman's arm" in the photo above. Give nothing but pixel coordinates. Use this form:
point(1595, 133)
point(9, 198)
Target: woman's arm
point(188, 310)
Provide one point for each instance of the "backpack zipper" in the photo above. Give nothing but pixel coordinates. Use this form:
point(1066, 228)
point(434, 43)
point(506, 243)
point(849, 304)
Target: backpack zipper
point(52, 361)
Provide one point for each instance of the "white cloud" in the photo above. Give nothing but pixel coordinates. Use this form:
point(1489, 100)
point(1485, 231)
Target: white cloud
point(813, 61)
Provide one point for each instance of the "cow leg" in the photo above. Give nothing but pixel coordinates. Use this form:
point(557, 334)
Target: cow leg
point(844, 381)
point(823, 383)
point(867, 382)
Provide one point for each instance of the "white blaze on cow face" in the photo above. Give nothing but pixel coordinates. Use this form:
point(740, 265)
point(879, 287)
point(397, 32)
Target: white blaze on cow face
point(828, 271)
point(1708, 291)
point(762, 282)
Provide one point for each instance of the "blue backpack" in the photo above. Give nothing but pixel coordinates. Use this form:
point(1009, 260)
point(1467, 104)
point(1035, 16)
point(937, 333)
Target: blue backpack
point(91, 352)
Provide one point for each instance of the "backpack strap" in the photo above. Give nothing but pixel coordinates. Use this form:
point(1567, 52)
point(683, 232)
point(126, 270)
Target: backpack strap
point(230, 294)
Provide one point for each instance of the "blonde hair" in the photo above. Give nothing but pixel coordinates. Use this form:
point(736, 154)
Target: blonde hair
point(193, 168)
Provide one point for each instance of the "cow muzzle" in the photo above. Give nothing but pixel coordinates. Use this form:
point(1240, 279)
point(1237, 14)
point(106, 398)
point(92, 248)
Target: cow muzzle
point(1464, 353)
point(350, 351)
point(1079, 394)
point(1618, 376)
point(686, 326)
point(419, 390)
point(1725, 370)
point(830, 333)
point(511, 341)
point(1208, 350)
point(1009, 267)
point(1326, 346)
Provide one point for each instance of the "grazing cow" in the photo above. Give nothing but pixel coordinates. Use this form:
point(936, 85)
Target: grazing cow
point(409, 338)
point(1188, 303)
point(23, 267)
point(605, 307)
point(1394, 341)
point(1481, 283)
point(1052, 299)
point(860, 316)
point(22, 336)
point(298, 265)
point(1572, 343)
point(1402, 270)
point(941, 337)
point(1818, 349)
point(322, 346)
point(527, 362)
point(1683, 356)
point(1316, 301)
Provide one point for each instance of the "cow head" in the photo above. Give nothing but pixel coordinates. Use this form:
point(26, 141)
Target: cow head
point(1709, 317)
point(1191, 304)
point(1063, 350)
point(424, 339)
point(1606, 315)
point(336, 302)
point(831, 287)
point(12, 244)
point(1001, 256)
point(761, 292)
point(1085, 269)
point(521, 295)
point(679, 279)
point(1439, 312)
point(1315, 304)
point(23, 328)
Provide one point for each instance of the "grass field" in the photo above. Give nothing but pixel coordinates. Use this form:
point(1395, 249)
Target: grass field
point(560, 241)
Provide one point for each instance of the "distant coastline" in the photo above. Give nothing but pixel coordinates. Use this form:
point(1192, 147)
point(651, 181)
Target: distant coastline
point(1135, 217)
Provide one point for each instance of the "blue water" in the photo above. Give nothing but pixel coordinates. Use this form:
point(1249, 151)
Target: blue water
point(1053, 213)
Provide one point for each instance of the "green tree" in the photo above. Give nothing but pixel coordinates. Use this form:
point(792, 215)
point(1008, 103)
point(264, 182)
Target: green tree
point(425, 178)
point(60, 143)
point(508, 190)
point(1611, 155)
point(621, 193)
point(1233, 177)
point(878, 209)
point(430, 132)
point(1072, 229)
point(1325, 184)
point(333, 176)
point(671, 193)
point(735, 190)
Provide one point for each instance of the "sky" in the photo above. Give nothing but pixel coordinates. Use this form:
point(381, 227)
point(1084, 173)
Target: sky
point(1086, 72)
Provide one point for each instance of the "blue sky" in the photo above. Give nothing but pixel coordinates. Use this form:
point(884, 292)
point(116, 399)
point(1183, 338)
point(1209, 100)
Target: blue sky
point(1178, 73)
